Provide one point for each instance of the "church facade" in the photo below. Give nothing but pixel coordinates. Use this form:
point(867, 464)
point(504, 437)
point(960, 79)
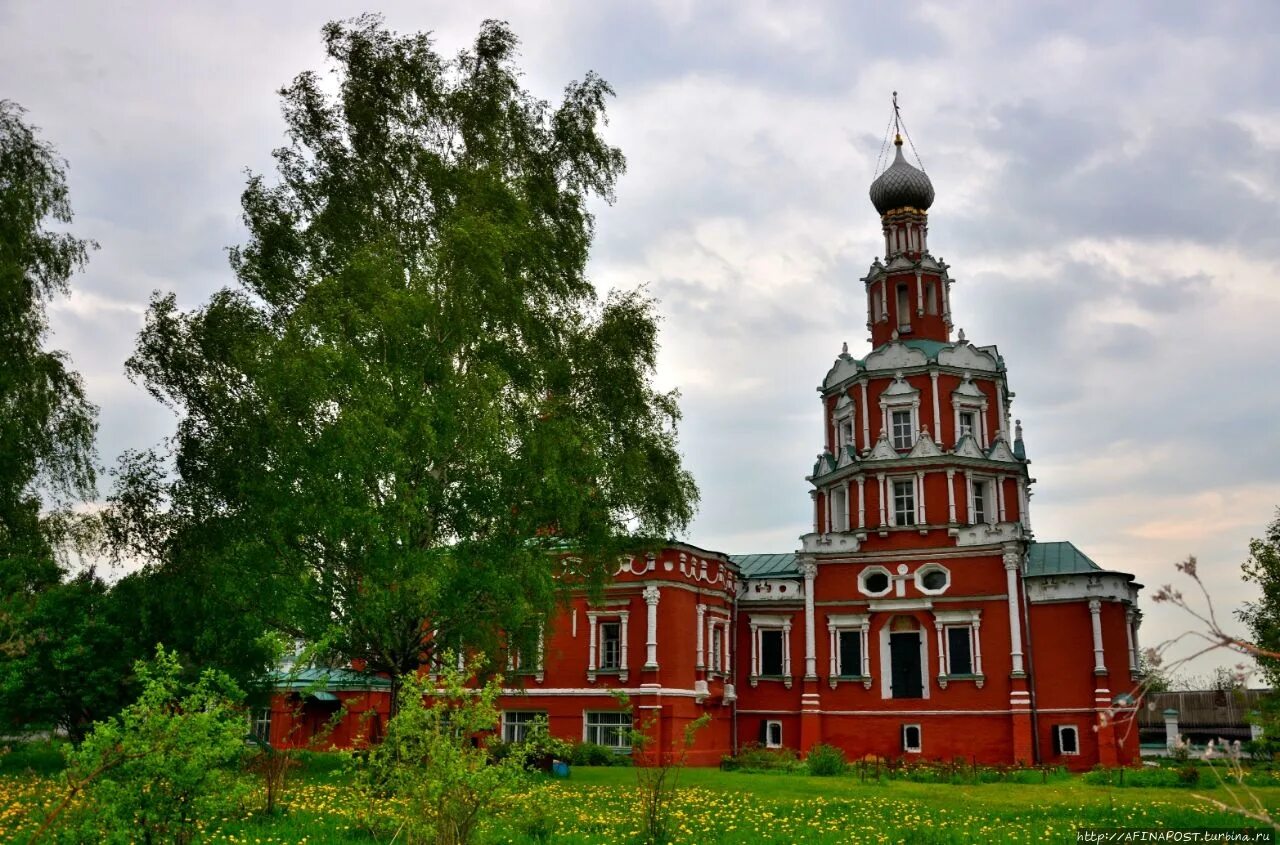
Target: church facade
point(918, 619)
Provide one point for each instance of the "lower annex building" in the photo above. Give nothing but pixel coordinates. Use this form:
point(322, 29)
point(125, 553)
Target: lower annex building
point(918, 619)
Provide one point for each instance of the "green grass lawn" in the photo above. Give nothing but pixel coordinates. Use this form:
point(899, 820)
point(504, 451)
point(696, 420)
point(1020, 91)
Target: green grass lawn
point(599, 806)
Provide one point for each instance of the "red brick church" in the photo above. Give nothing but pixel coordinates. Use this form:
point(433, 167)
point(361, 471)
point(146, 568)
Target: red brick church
point(919, 619)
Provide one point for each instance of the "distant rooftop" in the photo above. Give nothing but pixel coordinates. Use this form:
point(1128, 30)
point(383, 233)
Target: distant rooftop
point(1060, 557)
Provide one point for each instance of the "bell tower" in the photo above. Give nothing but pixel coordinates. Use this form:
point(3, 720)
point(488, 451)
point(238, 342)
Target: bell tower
point(908, 294)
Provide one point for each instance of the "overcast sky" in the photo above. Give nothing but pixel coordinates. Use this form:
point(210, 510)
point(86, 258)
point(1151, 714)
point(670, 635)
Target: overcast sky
point(1108, 195)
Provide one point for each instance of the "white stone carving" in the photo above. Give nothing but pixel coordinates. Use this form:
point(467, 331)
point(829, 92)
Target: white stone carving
point(925, 446)
point(966, 356)
point(895, 356)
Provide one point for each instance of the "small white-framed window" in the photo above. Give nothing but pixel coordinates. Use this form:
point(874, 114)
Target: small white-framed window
point(610, 646)
point(851, 651)
point(982, 495)
point(260, 724)
point(903, 491)
point(1066, 739)
point(904, 308)
point(839, 510)
point(933, 579)
point(717, 648)
point(902, 428)
point(959, 639)
point(771, 733)
point(912, 739)
point(968, 423)
point(772, 664)
point(516, 724)
point(610, 729)
point(875, 581)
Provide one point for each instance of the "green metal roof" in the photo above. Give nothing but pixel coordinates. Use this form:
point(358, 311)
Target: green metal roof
point(326, 678)
point(928, 347)
point(1058, 558)
point(766, 566)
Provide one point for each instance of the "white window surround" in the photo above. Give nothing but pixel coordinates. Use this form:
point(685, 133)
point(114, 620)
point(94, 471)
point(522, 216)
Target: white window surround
point(891, 489)
point(515, 723)
point(900, 396)
point(921, 572)
point(972, 620)
point(982, 489)
point(515, 664)
point(886, 660)
point(716, 621)
point(870, 570)
point(907, 745)
point(968, 397)
point(610, 728)
point(772, 733)
point(843, 421)
point(836, 624)
point(260, 723)
point(594, 618)
point(1060, 733)
point(758, 623)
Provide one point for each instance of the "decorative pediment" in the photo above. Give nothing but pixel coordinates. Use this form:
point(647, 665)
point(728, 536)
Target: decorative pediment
point(845, 367)
point(969, 357)
point(968, 448)
point(844, 406)
point(848, 455)
point(925, 446)
point(900, 392)
point(1000, 450)
point(882, 451)
point(969, 392)
point(896, 355)
point(826, 463)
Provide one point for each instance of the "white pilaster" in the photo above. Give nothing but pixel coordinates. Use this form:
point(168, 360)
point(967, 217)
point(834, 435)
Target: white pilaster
point(862, 502)
point(786, 652)
point(866, 417)
point(977, 646)
point(921, 517)
point(651, 595)
point(700, 654)
point(937, 408)
point(809, 570)
point(951, 495)
point(591, 641)
point(942, 650)
point(1012, 563)
point(1024, 514)
point(1129, 615)
point(884, 513)
point(999, 483)
point(1095, 616)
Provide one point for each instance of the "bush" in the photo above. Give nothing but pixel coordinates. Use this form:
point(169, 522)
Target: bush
point(165, 766)
point(1184, 775)
point(591, 754)
point(826, 761)
point(443, 784)
point(39, 758)
point(756, 758)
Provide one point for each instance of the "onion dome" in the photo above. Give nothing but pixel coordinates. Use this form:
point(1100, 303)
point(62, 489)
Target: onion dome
point(901, 186)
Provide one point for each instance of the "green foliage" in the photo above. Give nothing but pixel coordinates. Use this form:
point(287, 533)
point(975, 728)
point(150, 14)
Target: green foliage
point(754, 757)
point(1263, 616)
point(591, 754)
point(76, 664)
point(1181, 775)
point(47, 425)
point(167, 764)
point(826, 761)
point(43, 757)
point(413, 403)
point(658, 769)
point(432, 779)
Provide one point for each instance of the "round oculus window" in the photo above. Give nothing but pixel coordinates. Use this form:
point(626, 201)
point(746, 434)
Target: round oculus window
point(876, 582)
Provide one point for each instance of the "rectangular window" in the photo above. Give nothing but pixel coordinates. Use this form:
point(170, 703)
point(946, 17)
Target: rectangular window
point(911, 738)
point(967, 424)
point(771, 652)
point(260, 724)
point(717, 647)
point(904, 502)
point(904, 309)
point(902, 430)
point(877, 300)
point(610, 645)
point(772, 733)
point(930, 297)
point(1066, 739)
point(959, 650)
point(516, 724)
point(846, 432)
point(610, 729)
point(981, 506)
point(839, 511)
point(850, 657)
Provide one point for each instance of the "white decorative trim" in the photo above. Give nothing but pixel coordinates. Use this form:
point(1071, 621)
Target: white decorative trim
point(837, 623)
point(651, 595)
point(895, 355)
point(871, 570)
point(921, 571)
point(965, 356)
